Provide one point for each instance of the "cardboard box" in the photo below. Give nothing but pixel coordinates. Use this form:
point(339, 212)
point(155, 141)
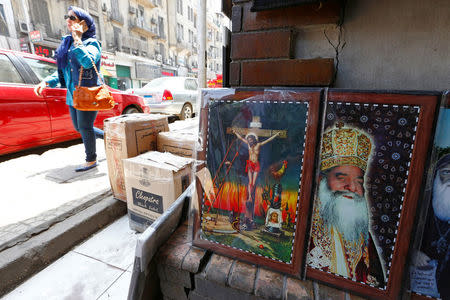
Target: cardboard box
point(181, 143)
point(153, 181)
point(184, 125)
point(127, 136)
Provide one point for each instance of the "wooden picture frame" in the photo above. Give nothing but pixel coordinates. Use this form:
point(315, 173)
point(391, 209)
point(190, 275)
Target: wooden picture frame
point(430, 264)
point(385, 136)
point(233, 222)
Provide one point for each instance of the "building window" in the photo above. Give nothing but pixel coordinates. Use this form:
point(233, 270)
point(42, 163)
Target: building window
point(41, 15)
point(161, 27)
point(180, 35)
point(195, 20)
point(115, 13)
point(180, 7)
point(97, 27)
point(191, 36)
point(117, 34)
point(93, 4)
point(162, 51)
point(190, 14)
point(3, 23)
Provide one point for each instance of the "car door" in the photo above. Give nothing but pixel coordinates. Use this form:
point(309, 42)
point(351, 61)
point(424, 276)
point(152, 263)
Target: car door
point(24, 117)
point(61, 123)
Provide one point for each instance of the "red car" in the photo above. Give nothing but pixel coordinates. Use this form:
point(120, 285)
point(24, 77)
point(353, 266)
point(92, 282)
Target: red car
point(27, 120)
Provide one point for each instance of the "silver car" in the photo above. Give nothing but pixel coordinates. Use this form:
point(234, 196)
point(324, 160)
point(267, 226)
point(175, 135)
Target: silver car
point(170, 95)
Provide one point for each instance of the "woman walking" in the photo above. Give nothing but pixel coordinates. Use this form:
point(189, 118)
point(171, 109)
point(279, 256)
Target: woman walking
point(80, 48)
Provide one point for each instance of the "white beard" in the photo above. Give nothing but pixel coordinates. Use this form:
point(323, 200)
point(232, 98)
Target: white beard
point(349, 216)
point(441, 199)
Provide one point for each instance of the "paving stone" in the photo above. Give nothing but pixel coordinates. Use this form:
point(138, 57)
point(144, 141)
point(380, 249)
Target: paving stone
point(242, 277)
point(218, 268)
point(19, 228)
point(179, 236)
point(213, 290)
point(178, 276)
point(173, 291)
point(193, 259)
point(298, 290)
point(176, 255)
point(355, 297)
point(329, 293)
point(268, 284)
point(195, 296)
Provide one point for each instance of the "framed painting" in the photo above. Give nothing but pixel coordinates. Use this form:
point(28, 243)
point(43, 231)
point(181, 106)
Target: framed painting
point(254, 188)
point(430, 260)
point(374, 147)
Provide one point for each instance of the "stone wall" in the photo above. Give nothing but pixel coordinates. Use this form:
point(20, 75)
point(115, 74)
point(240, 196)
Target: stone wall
point(186, 272)
point(400, 45)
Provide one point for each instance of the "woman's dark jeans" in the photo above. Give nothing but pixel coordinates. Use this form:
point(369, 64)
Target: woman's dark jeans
point(83, 121)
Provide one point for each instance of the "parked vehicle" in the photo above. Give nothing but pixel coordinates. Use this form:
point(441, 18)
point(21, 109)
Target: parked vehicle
point(27, 120)
point(170, 95)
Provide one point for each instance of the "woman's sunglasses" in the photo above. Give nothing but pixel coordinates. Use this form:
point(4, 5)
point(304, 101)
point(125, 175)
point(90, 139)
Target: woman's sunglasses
point(72, 18)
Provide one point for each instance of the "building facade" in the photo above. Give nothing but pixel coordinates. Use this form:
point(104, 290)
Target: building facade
point(141, 39)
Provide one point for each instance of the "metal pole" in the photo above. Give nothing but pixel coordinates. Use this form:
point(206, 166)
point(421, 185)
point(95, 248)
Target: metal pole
point(27, 19)
point(202, 45)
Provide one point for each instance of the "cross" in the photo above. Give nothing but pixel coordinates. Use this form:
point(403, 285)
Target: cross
point(255, 128)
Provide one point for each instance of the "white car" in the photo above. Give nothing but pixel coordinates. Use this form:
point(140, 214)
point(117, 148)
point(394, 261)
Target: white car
point(170, 95)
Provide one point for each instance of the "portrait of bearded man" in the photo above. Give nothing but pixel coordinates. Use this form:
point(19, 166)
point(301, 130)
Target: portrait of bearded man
point(341, 239)
point(434, 255)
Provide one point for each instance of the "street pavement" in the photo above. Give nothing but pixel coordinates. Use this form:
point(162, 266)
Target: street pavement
point(100, 268)
point(46, 208)
point(40, 190)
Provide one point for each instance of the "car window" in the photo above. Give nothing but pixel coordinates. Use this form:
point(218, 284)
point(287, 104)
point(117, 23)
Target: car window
point(8, 73)
point(41, 68)
point(190, 84)
point(165, 83)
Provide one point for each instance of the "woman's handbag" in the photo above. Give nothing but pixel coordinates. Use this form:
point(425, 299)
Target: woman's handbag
point(92, 98)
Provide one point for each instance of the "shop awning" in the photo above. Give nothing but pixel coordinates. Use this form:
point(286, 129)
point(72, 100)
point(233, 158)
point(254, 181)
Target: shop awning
point(105, 72)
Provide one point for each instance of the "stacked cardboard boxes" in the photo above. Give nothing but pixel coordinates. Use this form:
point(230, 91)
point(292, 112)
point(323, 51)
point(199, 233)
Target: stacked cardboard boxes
point(127, 136)
point(182, 143)
point(148, 180)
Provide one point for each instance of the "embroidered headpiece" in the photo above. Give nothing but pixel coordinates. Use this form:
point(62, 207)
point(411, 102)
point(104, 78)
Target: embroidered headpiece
point(345, 146)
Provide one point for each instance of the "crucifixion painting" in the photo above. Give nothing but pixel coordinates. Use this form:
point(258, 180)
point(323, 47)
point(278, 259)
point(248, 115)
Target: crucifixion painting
point(254, 155)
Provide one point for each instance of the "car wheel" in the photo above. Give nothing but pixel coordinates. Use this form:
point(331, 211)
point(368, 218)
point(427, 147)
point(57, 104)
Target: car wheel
point(131, 110)
point(186, 112)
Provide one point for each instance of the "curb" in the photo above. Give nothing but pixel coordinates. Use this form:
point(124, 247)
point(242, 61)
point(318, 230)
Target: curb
point(44, 221)
point(19, 262)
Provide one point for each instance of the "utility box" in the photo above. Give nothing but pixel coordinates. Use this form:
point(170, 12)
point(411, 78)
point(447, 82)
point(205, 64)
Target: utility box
point(153, 181)
point(128, 136)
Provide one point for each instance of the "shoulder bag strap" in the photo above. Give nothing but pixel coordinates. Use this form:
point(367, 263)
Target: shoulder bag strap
point(95, 68)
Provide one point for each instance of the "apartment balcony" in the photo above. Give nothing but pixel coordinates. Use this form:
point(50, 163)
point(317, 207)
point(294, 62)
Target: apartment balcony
point(115, 16)
point(140, 26)
point(147, 3)
point(135, 46)
point(182, 46)
point(161, 36)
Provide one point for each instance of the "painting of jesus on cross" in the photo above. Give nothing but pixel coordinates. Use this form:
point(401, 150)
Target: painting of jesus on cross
point(255, 153)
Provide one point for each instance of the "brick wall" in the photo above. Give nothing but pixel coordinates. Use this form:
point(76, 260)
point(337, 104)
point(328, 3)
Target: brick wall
point(263, 45)
point(189, 273)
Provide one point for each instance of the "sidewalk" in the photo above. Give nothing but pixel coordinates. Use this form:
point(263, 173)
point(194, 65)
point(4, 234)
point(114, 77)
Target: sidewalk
point(46, 208)
point(100, 268)
point(40, 190)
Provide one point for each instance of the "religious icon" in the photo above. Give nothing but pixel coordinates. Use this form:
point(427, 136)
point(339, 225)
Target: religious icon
point(254, 200)
point(430, 265)
point(372, 155)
